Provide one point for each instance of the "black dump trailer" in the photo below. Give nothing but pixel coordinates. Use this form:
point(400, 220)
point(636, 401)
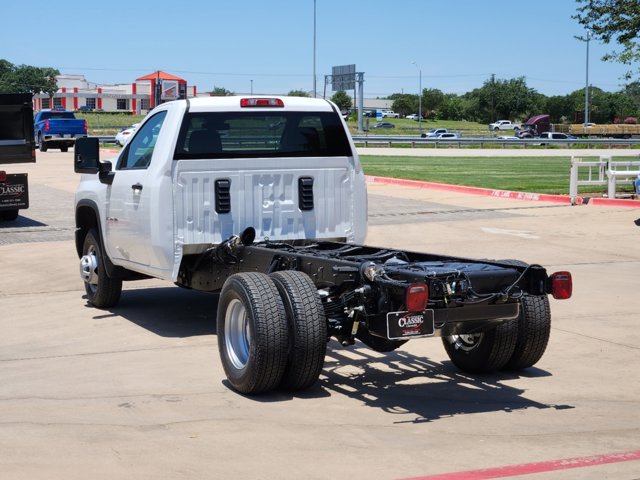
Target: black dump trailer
point(16, 146)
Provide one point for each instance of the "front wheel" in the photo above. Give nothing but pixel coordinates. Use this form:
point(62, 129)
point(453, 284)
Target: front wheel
point(253, 337)
point(483, 352)
point(64, 149)
point(102, 290)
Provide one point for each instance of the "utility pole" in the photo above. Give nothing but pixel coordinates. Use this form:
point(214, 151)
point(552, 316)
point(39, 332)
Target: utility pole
point(419, 97)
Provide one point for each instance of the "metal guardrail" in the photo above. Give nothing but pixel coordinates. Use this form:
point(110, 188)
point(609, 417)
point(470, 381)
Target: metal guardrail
point(390, 140)
point(412, 140)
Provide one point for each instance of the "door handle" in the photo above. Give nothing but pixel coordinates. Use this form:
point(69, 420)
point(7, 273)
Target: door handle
point(137, 187)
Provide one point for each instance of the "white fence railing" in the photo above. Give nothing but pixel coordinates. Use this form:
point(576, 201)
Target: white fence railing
point(602, 172)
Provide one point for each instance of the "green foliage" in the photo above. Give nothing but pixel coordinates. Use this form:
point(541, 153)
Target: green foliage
point(27, 79)
point(405, 104)
point(298, 93)
point(504, 99)
point(342, 100)
point(617, 21)
point(221, 92)
point(432, 100)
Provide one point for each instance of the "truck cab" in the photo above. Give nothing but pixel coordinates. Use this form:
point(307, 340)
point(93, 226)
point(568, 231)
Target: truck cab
point(198, 171)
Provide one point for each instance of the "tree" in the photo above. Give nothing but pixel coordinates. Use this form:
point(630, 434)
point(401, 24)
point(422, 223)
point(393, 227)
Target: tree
point(502, 99)
point(220, 92)
point(452, 108)
point(298, 93)
point(342, 100)
point(617, 21)
point(27, 79)
point(404, 104)
point(432, 101)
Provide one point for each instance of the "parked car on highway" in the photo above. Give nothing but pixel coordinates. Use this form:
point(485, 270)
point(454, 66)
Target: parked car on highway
point(384, 125)
point(413, 116)
point(434, 132)
point(123, 136)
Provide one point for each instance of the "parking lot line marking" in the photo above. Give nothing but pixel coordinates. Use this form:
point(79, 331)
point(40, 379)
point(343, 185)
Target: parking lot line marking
point(537, 467)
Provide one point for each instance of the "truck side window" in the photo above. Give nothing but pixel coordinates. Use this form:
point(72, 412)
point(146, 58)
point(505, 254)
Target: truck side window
point(140, 148)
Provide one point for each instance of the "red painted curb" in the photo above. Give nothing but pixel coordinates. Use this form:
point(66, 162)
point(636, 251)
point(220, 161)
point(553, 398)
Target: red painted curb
point(538, 467)
point(539, 197)
point(614, 202)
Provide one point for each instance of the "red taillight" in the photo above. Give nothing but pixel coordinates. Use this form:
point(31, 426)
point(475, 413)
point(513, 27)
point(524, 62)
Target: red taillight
point(561, 285)
point(3, 176)
point(85, 126)
point(416, 297)
point(46, 125)
point(261, 102)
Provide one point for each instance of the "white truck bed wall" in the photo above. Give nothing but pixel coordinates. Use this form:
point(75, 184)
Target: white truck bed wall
point(264, 195)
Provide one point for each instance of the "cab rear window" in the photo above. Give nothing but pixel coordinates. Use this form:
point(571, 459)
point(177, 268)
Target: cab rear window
point(261, 134)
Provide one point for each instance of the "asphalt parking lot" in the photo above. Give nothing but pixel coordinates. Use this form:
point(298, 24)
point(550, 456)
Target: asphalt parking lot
point(138, 391)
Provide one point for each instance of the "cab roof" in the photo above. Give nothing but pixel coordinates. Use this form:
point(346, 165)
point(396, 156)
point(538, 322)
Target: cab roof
point(233, 103)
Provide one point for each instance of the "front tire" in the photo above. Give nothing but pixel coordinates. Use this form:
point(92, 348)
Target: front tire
point(484, 352)
point(252, 333)
point(307, 329)
point(102, 290)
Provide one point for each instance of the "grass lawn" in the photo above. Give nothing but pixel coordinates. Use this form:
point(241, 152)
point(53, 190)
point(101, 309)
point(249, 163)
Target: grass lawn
point(521, 174)
point(101, 123)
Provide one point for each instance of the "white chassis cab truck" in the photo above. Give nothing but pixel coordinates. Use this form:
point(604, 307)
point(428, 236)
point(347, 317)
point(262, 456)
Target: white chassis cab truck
point(263, 200)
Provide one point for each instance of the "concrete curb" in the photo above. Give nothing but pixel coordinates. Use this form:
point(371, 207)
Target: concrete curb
point(614, 202)
point(535, 197)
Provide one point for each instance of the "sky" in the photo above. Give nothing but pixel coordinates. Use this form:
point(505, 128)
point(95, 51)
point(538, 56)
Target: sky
point(453, 45)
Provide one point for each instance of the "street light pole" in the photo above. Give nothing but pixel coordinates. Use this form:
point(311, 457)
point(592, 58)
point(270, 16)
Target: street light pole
point(586, 86)
point(419, 97)
point(314, 49)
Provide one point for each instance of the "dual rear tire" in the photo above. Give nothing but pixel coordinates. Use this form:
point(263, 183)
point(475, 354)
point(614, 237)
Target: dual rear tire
point(272, 332)
point(513, 345)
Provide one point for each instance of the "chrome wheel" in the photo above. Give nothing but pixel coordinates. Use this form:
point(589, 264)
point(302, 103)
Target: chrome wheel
point(237, 334)
point(89, 268)
point(465, 343)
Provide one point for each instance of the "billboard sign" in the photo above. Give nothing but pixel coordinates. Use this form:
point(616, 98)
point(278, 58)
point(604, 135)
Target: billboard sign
point(343, 77)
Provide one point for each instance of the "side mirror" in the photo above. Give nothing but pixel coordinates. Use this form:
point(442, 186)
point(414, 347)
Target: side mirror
point(86, 155)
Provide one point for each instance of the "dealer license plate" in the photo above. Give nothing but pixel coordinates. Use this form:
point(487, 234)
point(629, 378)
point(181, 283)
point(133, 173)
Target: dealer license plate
point(403, 325)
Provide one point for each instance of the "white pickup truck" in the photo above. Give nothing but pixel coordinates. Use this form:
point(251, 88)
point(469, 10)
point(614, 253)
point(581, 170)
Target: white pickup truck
point(505, 125)
point(390, 114)
point(264, 201)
